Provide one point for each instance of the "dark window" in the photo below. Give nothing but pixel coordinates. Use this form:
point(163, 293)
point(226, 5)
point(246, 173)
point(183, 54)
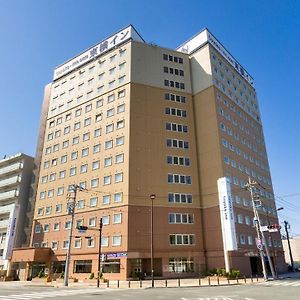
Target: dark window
point(171, 70)
point(182, 86)
point(111, 266)
point(82, 266)
point(165, 57)
point(180, 60)
point(169, 143)
point(169, 159)
point(167, 96)
point(171, 83)
point(181, 73)
point(166, 82)
point(170, 58)
point(175, 59)
point(166, 69)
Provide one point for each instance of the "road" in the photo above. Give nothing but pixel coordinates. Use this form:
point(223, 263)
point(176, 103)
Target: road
point(287, 289)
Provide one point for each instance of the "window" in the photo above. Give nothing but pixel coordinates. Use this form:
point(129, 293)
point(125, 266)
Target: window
point(80, 204)
point(56, 226)
point(121, 108)
point(88, 108)
point(57, 133)
point(181, 264)
point(97, 132)
point(106, 199)
point(42, 195)
point(63, 159)
point(62, 174)
point(92, 222)
point(99, 103)
point(87, 121)
point(50, 136)
point(44, 179)
point(94, 182)
point(37, 229)
point(65, 244)
point(118, 197)
point(93, 201)
point(105, 220)
point(122, 66)
point(50, 193)
point(108, 161)
point(108, 144)
point(104, 241)
point(52, 177)
point(117, 219)
point(107, 180)
point(86, 136)
point(110, 112)
point(179, 218)
point(250, 240)
point(83, 168)
point(77, 243)
point(98, 117)
point(65, 144)
point(176, 127)
point(54, 245)
point(116, 240)
point(121, 94)
point(54, 162)
point(75, 140)
point(96, 165)
point(173, 143)
point(120, 141)
point(240, 219)
point(111, 98)
point(90, 242)
point(96, 148)
point(68, 117)
point(109, 128)
point(242, 239)
point(82, 266)
point(73, 171)
point(85, 152)
point(77, 112)
point(119, 158)
point(58, 208)
point(120, 124)
point(40, 212)
point(67, 130)
point(60, 191)
point(68, 225)
point(48, 150)
point(46, 164)
point(118, 177)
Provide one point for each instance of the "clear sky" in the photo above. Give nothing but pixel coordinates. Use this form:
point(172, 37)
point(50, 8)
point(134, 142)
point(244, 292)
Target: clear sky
point(36, 36)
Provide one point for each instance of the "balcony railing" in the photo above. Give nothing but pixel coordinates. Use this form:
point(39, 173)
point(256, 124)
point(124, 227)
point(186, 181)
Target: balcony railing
point(9, 195)
point(10, 181)
point(11, 168)
point(6, 209)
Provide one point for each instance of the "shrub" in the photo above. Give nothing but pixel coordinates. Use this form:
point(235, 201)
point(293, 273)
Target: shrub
point(62, 275)
point(41, 274)
point(92, 276)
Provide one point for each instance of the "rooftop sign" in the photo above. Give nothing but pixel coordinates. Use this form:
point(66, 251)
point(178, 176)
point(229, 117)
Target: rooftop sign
point(105, 45)
point(206, 37)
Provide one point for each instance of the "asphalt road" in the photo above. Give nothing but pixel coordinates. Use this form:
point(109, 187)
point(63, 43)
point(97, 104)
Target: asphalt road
point(288, 289)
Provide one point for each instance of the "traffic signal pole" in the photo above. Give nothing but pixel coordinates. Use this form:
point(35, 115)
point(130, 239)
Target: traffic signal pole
point(288, 239)
point(99, 251)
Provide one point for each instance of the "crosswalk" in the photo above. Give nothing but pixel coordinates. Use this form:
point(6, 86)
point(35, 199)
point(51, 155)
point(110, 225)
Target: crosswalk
point(282, 282)
point(52, 294)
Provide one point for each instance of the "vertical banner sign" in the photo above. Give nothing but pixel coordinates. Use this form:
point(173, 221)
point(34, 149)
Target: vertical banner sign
point(226, 213)
point(11, 231)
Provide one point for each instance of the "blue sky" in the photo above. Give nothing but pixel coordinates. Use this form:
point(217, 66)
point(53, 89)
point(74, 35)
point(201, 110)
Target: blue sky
point(36, 36)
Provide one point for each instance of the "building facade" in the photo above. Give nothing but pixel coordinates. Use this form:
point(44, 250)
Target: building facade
point(126, 119)
point(15, 180)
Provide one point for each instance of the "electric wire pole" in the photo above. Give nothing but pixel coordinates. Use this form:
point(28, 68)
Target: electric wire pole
point(286, 225)
point(251, 187)
point(71, 211)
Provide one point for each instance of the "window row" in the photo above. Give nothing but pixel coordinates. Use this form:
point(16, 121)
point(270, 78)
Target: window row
point(175, 98)
point(182, 239)
point(176, 84)
point(179, 218)
point(85, 137)
point(176, 127)
point(174, 143)
point(180, 198)
point(173, 58)
point(175, 112)
point(178, 160)
point(173, 71)
point(178, 178)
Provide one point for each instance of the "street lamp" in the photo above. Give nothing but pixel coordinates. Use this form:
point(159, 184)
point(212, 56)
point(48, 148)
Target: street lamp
point(152, 197)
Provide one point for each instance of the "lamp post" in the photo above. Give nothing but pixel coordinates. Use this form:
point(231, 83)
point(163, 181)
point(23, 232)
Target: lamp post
point(152, 197)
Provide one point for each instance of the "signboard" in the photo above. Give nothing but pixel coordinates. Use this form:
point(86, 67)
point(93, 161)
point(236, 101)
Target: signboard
point(115, 255)
point(258, 243)
point(206, 37)
point(11, 231)
point(104, 46)
point(226, 214)
point(264, 228)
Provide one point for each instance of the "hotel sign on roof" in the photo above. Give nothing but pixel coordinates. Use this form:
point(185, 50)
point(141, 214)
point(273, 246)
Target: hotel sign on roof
point(204, 37)
point(102, 47)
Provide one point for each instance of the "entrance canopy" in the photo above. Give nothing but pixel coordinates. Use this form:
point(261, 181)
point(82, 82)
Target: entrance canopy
point(31, 255)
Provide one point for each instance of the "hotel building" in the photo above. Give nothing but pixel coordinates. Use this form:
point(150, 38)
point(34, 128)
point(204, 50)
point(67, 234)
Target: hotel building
point(126, 119)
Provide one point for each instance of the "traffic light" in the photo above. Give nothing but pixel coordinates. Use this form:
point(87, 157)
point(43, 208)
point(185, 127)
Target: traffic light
point(274, 227)
point(82, 228)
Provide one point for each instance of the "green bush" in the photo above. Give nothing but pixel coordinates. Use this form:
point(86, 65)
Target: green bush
point(234, 273)
point(41, 274)
point(92, 276)
point(62, 275)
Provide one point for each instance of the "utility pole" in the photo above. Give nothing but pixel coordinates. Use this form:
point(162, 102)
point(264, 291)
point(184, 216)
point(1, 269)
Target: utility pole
point(71, 211)
point(286, 227)
point(152, 197)
point(251, 187)
point(99, 251)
